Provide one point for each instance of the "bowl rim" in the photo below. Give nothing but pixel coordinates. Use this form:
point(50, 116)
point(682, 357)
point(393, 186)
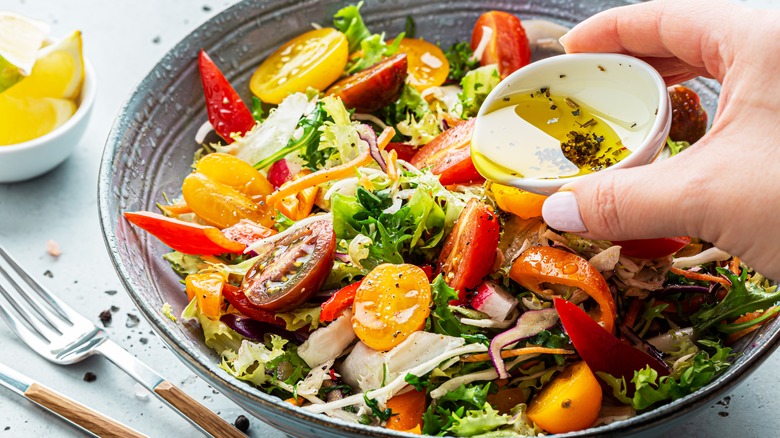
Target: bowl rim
point(85, 103)
point(660, 128)
point(234, 388)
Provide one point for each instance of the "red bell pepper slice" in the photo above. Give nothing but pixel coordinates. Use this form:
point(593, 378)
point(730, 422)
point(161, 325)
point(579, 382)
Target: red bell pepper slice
point(183, 236)
point(652, 248)
point(235, 296)
point(247, 232)
point(545, 264)
point(342, 299)
point(227, 112)
point(600, 349)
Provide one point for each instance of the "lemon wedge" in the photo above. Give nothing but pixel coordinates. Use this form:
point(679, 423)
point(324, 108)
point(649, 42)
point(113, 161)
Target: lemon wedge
point(58, 72)
point(20, 40)
point(23, 119)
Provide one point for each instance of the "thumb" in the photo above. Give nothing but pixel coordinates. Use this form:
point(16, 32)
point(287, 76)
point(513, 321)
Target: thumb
point(637, 203)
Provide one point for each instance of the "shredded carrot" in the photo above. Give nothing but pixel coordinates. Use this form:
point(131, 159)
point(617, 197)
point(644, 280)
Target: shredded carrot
point(701, 277)
point(334, 173)
point(734, 337)
point(517, 352)
point(735, 264)
point(633, 313)
point(392, 169)
point(175, 209)
point(295, 401)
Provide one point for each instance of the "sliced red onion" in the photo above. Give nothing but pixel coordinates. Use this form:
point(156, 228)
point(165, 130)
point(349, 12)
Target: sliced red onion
point(493, 300)
point(342, 257)
point(367, 134)
point(529, 324)
point(641, 344)
point(255, 330)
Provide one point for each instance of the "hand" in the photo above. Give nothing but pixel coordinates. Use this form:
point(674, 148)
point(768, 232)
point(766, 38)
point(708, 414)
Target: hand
point(725, 188)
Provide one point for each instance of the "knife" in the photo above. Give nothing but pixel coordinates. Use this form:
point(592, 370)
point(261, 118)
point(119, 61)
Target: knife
point(88, 420)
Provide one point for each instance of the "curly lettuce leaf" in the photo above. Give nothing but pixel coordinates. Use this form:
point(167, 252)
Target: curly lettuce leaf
point(301, 317)
point(478, 421)
point(349, 22)
point(374, 49)
point(184, 264)
point(477, 84)
point(420, 131)
point(443, 321)
point(218, 336)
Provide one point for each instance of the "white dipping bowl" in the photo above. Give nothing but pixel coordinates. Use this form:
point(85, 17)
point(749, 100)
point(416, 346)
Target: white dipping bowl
point(586, 77)
point(35, 157)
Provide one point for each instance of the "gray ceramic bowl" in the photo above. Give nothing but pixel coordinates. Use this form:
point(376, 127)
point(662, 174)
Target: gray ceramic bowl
point(150, 150)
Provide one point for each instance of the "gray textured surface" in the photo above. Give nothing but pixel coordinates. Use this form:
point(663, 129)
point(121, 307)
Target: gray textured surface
point(124, 39)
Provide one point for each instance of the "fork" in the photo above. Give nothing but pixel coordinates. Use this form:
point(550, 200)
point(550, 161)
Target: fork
point(63, 336)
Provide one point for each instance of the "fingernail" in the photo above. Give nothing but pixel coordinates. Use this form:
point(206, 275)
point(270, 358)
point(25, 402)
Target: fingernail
point(561, 212)
point(562, 40)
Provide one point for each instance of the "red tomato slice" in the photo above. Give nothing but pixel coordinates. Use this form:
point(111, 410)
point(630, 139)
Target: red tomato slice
point(508, 46)
point(240, 302)
point(227, 112)
point(652, 248)
point(405, 151)
point(342, 299)
point(449, 156)
point(470, 249)
point(291, 269)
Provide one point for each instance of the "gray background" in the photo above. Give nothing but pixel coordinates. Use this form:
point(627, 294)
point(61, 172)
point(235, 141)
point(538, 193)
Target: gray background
point(123, 39)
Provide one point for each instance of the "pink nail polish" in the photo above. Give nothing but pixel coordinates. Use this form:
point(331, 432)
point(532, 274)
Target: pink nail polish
point(561, 212)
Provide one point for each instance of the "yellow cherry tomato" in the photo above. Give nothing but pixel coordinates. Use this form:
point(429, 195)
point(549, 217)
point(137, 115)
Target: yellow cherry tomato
point(427, 65)
point(391, 303)
point(221, 205)
point(206, 287)
point(524, 204)
point(570, 402)
point(237, 173)
point(315, 59)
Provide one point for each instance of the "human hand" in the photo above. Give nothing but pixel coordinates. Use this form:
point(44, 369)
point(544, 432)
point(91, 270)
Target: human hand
point(726, 187)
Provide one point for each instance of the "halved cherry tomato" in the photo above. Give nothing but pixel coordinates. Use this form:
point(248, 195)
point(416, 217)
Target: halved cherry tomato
point(247, 232)
point(408, 409)
point(428, 67)
point(183, 236)
point(299, 205)
point(449, 155)
point(206, 287)
point(224, 190)
point(405, 151)
point(689, 120)
point(525, 205)
point(342, 299)
point(652, 248)
point(315, 59)
point(508, 46)
point(570, 402)
point(290, 270)
point(506, 399)
point(373, 88)
point(544, 264)
point(391, 303)
point(470, 249)
point(227, 112)
point(240, 302)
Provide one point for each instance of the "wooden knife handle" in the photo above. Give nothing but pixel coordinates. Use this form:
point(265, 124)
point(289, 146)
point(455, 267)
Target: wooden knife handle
point(208, 420)
point(78, 414)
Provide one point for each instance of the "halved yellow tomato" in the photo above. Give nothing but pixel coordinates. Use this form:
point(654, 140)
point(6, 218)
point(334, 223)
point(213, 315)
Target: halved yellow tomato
point(206, 287)
point(524, 204)
point(315, 59)
point(571, 401)
point(427, 65)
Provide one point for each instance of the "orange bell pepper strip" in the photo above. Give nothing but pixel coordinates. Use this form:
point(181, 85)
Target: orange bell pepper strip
point(183, 236)
point(408, 409)
point(544, 264)
point(206, 287)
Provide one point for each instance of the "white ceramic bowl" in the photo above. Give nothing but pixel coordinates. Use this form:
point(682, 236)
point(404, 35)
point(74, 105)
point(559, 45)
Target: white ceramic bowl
point(620, 86)
point(35, 157)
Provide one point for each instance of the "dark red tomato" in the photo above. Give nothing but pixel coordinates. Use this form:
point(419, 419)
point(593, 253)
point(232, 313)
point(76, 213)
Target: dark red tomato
point(288, 271)
point(652, 248)
point(508, 46)
point(449, 155)
point(247, 232)
point(240, 302)
point(373, 88)
point(341, 300)
point(689, 120)
point(470, 249)
point(227, 112)
point(405, 151)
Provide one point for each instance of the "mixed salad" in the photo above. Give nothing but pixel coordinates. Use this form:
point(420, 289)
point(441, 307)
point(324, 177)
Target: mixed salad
point(340, 251)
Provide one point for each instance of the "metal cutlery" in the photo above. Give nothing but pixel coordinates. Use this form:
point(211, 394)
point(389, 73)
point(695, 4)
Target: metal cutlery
point(63, 336)
point(87, 419)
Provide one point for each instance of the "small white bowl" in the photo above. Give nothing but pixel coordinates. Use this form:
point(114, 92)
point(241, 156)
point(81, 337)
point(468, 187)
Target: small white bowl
point(615, 84)
point(35, 157)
